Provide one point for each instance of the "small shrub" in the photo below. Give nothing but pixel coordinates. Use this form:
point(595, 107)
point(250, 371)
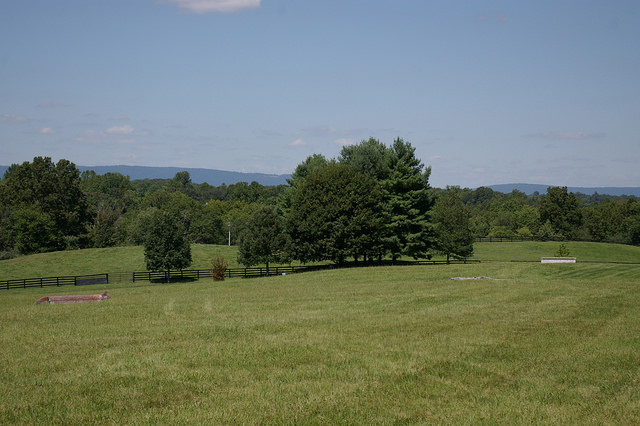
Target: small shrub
point(218, 268)
point(563, 251)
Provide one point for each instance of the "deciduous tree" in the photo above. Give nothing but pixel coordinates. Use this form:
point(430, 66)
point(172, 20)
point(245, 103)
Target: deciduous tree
point(264, 240)
point(561, 209)
point(453, 235)
point(55, 190)
point(335, 213)
point(166, 245)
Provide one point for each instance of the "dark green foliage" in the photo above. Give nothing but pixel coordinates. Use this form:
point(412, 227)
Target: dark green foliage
point(46, 206)
point(336, 213)
point(370, 157)
point(408, 202)
point(33, 230)
point(407, 228)
point(166, 245)
point(453, 235)
point(264, 240)
point(301, 172)
point(561, 209)
point(631, 223)
point(109, 197)
point(206, 226)
point(52, 193)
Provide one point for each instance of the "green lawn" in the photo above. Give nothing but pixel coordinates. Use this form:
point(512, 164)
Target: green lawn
point(534, 250)
point(119, 262)
point(113, 260)
point(554, 344)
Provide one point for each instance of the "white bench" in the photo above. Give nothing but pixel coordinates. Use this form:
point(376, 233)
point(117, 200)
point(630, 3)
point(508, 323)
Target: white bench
point(558, 260)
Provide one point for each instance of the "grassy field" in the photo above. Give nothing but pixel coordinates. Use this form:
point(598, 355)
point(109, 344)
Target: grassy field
point(119, 262)
point(551, 344)
point(113, 260)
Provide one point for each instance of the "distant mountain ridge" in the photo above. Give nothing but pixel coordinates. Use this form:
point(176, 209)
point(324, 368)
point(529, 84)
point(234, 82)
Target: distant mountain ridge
point(210, 176)
point(218, 177)
point(530, 188)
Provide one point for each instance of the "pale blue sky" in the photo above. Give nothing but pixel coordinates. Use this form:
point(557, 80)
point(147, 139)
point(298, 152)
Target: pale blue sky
point(488, 92)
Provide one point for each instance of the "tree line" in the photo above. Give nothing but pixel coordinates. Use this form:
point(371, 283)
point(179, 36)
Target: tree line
point(371, 202)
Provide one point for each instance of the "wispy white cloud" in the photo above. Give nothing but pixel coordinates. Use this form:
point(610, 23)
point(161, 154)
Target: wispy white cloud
point(567, 135)
point(214, 6)
point(47, 131)
point(9, 118)
point(121, 130)
point(298, 142)
point(126, 130)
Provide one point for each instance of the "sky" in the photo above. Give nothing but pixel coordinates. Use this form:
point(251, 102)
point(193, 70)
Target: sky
point(488, 92)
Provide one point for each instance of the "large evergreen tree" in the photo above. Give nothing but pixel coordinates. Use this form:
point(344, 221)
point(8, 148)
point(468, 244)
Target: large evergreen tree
point(407, 229)
point(410, 231)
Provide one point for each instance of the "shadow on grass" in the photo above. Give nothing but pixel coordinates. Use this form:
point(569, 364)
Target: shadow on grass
point(175, 280)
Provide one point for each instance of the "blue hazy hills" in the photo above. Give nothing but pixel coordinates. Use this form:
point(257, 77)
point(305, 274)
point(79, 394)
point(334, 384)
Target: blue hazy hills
point(219, 177)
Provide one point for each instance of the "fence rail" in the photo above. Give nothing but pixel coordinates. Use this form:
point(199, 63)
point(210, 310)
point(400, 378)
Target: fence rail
point(195, 274)
point(257, 272)
point(55, 281)
point(520, 238)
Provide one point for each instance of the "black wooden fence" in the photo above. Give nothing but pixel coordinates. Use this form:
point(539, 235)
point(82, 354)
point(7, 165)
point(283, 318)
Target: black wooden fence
point(196, 274)
point(55, 281)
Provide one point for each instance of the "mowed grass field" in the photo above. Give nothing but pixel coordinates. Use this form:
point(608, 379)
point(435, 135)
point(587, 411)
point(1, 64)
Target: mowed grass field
point(119, 262)
point(550, 344)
